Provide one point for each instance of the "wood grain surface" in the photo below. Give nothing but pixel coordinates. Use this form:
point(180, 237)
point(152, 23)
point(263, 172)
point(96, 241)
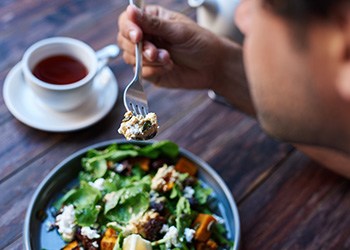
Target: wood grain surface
point(285, 200)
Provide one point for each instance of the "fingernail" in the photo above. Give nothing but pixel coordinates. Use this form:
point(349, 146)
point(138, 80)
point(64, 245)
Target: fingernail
point(148, 54)
point(132, 35)
point(162, 56)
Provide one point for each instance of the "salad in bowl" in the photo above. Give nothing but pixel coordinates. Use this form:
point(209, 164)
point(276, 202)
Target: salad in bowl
point(138, 196)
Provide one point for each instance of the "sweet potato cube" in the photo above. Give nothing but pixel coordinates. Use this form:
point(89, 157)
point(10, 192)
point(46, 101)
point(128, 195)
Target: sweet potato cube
point(144, 163)
point(110, 232)
point(209, 245)
point(212, 244)
point(109, 239)
point(185, 166)
point(71, 246)
point(202, 224)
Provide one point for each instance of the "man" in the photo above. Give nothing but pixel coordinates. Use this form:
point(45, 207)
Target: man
point(296, 73)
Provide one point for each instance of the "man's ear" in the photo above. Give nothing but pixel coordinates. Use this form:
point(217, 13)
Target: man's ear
point(343, 78)
point(343, 81)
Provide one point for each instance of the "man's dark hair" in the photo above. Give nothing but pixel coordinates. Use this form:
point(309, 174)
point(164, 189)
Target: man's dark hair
point(300, 13)
point(304, 10)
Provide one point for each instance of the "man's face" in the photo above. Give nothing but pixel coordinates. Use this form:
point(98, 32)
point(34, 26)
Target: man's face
point(289, 84)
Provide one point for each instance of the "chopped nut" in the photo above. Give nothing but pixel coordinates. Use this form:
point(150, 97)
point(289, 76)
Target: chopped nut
point(164, 179)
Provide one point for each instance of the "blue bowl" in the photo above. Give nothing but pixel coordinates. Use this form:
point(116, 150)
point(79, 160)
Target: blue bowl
point(64, 176)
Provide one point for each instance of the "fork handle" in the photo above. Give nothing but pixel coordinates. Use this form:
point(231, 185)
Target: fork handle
point(137, 3)
point(138, 54)
point(138, 47)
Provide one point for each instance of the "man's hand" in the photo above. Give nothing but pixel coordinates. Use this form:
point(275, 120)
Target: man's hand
point(177, 52)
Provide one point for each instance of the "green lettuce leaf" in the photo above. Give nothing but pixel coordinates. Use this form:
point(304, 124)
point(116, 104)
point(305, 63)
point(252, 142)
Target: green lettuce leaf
point(128, 202)
point(82, 197)
point(183, 215)
point(87, 216)
point(129, 207)
point(166, 148)
point(201, 193)
point(98, 168)
point(95, 162)
point(113, 200)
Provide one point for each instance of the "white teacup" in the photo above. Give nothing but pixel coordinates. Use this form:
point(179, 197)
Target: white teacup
point(68, 96)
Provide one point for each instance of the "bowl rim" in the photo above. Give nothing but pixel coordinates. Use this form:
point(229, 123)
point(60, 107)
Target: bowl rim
point(228, 195)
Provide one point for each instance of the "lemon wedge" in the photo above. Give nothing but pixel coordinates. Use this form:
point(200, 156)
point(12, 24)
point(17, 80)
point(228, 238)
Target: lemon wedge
point(136, 242)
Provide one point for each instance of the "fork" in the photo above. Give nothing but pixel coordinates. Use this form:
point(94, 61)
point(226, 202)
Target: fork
point(135, 99)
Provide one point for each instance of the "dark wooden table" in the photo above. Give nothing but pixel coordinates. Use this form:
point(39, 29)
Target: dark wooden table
point(285, 200)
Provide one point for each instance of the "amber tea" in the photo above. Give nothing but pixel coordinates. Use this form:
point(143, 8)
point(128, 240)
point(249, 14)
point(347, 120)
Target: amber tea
point(60, 70)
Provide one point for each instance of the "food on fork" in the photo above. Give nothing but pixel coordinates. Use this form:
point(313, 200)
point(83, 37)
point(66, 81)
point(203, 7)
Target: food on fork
point(138, 127)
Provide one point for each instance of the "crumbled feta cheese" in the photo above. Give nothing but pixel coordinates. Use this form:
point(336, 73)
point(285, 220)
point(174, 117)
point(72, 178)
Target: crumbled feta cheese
point(90, 233)
point(153, 196)
point(138, 127)
point(164, 229)
point(65, 222)
point(171, 237)
point(50, 225)
point(164, 176)
point(98, 184)
point(135, 129)
point(188, 192)
point(189, 234)
point(95, 244)
point(120, 168)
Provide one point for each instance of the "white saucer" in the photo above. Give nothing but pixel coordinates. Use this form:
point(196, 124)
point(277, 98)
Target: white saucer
point(22, 103)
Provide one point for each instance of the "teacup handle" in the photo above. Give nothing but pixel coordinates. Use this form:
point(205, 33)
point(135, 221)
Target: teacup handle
point(105, 54)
